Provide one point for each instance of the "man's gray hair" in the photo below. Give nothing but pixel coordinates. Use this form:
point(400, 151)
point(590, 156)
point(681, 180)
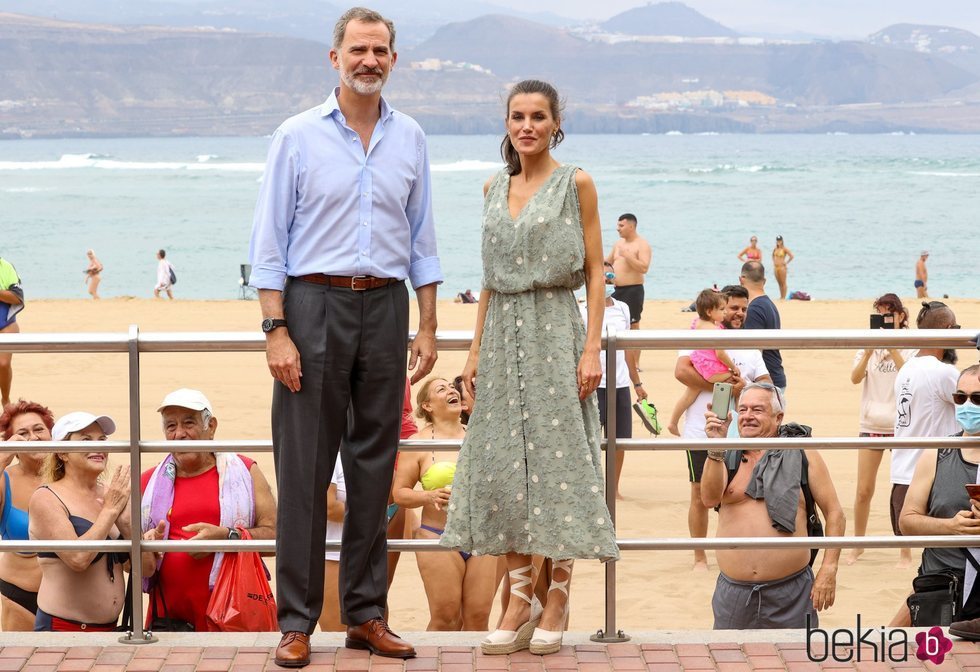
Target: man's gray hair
point(753, 271)
point(775, 396)
point(361, 14)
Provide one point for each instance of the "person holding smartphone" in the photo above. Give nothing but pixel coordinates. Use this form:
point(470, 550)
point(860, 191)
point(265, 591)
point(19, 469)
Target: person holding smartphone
point(937, 503)
point(876, 369)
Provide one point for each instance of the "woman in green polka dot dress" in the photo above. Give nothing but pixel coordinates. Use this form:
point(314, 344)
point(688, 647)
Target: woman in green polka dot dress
point(528, 481)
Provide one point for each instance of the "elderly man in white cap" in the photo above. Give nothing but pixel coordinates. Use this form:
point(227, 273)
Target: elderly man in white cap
point(197, 495)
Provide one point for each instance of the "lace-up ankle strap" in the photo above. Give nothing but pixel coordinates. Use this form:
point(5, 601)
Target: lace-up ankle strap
point(520, 578)
point(566, 566)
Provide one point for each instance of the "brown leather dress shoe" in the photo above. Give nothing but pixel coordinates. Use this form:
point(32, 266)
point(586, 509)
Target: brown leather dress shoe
point(377, 637)
point(293, 650)
point(966, 629)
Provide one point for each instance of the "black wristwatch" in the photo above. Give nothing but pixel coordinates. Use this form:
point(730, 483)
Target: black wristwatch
point(234, 534)
point(270, 323)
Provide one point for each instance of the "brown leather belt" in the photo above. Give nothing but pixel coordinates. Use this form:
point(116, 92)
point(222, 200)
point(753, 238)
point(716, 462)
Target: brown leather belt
point(358, 283)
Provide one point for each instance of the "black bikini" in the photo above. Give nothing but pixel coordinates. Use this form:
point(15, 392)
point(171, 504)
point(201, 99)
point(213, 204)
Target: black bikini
point(81, 526)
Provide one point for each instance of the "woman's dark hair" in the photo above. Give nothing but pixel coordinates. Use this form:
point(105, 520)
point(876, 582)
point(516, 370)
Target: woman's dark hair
point(893, 304)
point(507, 151)
point(707, 300)
point(464, 417)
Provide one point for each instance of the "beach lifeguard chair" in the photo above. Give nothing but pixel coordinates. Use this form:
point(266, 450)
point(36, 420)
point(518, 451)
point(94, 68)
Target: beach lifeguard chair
point(245, 272)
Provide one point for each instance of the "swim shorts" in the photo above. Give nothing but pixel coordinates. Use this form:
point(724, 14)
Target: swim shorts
point(780, 603)
point(919, 283)
point(632, 296)
point(695, 464)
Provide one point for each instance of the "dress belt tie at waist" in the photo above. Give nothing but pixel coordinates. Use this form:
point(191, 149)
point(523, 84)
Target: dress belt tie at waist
point(358, 283)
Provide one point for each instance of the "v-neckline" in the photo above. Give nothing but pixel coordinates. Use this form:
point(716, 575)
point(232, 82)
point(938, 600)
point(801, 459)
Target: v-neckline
point(531, 198)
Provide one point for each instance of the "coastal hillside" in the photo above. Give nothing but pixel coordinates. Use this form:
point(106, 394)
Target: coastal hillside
point(959, 47)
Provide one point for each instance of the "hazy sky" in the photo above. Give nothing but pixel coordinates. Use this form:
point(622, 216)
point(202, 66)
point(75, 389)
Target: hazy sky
point(838, 18)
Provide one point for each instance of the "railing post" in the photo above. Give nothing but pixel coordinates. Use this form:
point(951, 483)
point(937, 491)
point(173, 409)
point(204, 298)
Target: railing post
point(137, 634)
point(609, 633)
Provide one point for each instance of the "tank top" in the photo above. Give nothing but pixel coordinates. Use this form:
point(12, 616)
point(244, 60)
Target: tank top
point(946, 498)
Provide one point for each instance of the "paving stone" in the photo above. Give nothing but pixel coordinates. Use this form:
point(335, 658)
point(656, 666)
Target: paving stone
point(16, 652)
point(591, 647)
point(352, 664)
point(664, 667)
point(802, 667)
point(522, 666)
point(591, 656)
point(114, 658)
point(456, 657)
point(39, 668)
point(213, 665)
point(619, 649)
point(728, 656)
point(656, 647)
point(455, 667)
point(219, 652)
point(144, 665)
point(696, 662)
point(108, 668)
point(561, 661)
point(182, 659)
point(75, 665)
point(151, 651)
point(622, 663)
point(419, 663)
point(593, 667)
point(659, 657)
point(259, 658)
point(491, 662)
point(691, 650)
point(759, 649)
point(12, 664)
point(177, 668)
point(724, 646)
point(90, 652)
point(734, 667)
point(760, 662)
point(44, 657)
point(235, 667)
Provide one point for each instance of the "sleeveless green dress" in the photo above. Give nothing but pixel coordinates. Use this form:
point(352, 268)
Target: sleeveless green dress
point(529, 478)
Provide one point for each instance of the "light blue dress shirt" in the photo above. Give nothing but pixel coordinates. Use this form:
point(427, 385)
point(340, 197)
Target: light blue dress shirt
point(326, 206)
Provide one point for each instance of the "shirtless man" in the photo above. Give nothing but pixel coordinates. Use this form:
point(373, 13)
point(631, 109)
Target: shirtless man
point(767, 588)
point(630, 259)
point(922, 276)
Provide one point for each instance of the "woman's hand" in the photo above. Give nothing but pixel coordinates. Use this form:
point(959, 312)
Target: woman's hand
point(469, 372)
point(115, 496)
point(589, 373)
point(439, 498)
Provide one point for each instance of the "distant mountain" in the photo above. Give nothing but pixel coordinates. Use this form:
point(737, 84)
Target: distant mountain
point(595, 72)
point(306, 19)
point(959, 47)
point(666, 18)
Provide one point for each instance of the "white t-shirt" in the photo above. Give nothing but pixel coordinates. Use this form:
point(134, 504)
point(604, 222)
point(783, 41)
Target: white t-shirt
point(163, 274)
point(878, 391)
point(616, 317)
point(924, 408)
point(751, 366)
point(336, 530)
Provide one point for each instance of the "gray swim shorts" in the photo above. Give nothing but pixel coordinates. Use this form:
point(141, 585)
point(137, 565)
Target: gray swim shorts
point(782, 603)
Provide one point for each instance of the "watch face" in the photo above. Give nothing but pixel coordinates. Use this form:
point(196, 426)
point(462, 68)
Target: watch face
point(267, 325)
point(234, 534)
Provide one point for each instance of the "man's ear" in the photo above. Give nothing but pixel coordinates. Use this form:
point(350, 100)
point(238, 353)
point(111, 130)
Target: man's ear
point(212, 426)
point(335, 59)
point(779, 418)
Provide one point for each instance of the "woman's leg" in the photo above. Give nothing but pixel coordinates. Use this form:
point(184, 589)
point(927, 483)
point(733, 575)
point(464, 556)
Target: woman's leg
point(518, 610)
point(781, 279)
point(330, 614)
point(442, 576)
point(868, 463)
point(555, 610)
point(93, 286)
point(479, 584)
point(15, 618)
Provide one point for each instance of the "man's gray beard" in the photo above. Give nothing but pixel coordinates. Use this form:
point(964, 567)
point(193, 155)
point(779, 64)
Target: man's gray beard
point(363, 88)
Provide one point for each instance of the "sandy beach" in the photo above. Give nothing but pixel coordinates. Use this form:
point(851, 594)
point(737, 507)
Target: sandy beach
point(656, 590)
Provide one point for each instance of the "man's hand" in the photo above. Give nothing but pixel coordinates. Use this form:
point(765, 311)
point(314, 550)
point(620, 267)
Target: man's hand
point(283, 359)
point(424, 354)
point(640, 393)
point(824, 589)
point(715, 427)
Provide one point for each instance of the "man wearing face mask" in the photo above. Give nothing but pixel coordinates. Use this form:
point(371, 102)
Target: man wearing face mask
point(924, 403)
point(617, 318)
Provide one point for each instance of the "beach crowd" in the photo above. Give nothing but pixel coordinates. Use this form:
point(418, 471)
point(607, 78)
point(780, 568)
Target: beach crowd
point(343, 220)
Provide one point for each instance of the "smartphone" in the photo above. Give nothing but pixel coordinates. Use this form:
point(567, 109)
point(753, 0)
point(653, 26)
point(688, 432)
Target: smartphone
point(721, 399)
point(879, 321)
point(973, 489)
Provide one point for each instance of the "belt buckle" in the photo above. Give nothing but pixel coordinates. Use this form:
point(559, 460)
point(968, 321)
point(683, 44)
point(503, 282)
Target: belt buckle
point(353, 283)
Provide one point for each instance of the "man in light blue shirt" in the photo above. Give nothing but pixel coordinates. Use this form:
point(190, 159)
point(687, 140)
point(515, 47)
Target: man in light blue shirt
point(344, 216)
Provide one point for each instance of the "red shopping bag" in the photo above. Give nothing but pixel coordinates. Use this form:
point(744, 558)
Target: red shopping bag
point(242, 600)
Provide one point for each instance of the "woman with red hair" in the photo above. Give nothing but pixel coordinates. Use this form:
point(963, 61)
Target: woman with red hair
point(20, 576)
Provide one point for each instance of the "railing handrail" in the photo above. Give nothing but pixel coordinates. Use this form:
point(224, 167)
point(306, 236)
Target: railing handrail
point(134, 344)
point(666, 339)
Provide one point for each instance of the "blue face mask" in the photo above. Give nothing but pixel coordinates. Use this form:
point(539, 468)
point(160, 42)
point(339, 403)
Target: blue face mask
point(968, 415)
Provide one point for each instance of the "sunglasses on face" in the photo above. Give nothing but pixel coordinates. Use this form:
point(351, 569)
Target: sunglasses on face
point(959, 398)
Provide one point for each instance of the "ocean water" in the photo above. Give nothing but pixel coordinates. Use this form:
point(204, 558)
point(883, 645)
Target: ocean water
point(855, 209)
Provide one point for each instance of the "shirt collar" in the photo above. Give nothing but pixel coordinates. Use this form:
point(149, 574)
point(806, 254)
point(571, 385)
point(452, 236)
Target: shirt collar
point(331, 107)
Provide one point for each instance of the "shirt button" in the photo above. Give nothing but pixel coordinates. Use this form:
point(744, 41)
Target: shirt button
point(363, 223)
point(365, 194)
point(363, 253)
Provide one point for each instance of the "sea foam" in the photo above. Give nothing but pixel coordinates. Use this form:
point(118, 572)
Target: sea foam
point(100, 162)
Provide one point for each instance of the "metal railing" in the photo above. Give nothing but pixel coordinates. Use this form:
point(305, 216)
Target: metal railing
point(134, 344)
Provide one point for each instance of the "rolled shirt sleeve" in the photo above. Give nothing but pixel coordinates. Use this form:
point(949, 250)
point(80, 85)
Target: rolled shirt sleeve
point(274, 212)
point(424, 268)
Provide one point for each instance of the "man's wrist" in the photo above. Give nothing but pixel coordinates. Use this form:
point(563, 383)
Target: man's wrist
point(638, 383)
point(716, 455)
